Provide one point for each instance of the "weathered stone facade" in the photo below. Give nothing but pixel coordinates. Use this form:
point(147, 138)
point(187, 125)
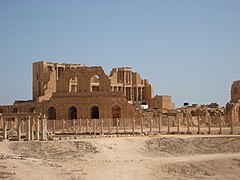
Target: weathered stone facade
point(233, 107)
point(75, 91)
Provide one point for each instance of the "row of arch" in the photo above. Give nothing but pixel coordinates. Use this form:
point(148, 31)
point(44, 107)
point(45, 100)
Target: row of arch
point(94, 112)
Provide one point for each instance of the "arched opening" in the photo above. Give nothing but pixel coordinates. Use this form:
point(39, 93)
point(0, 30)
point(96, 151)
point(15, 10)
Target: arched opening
point(193, 113)
point(32, 110)
point(94, 83)
point(235, 90)
point(51, 113)
point(94, 112)
point(72, 113)
point(15, 110)
point(116, 114)
point(73, 82)
point(1, 110)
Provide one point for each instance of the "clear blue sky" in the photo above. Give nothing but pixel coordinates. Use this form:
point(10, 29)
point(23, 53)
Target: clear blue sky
point(189, 49)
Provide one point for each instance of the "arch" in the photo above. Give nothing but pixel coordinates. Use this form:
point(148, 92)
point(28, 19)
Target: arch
point(193, 113)
point(15, 110)
point(73, 82)
point(94, 112)
point(116, 114)
point(94, 83)
point(32, 110)
point(1, 110)
point(52, 113)
point(72, 113)
point(235, 90)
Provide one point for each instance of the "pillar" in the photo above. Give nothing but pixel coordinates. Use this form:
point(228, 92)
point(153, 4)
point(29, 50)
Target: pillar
point(54, 126)
point(117, 125)
point(63, 126)
point(133, 125)
point(159, 123)
point(124, 124)
point(74, 126)
point(220, 125)
point(28, 129)
point(232, 121)
point(37, 128)
point(109, 126)
point(178, 124)
point(188, 124)
point(209, 124)
point(101, 120)
point(141, 125)
point(19, 130)
point(168, 125)
point(43, 129)
point(136, 94)
point(141, 94)
point(151, 125)
point(80, 125)
point(87, 125)
point(5, 129)
point(94, 126)
point(32, 129)
point(198, 120)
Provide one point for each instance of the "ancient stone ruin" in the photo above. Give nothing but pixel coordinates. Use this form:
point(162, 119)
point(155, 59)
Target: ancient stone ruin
point(77, 99)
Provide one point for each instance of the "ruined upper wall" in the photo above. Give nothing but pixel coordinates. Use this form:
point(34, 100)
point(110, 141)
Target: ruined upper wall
point(235, 91)
point(49, 78)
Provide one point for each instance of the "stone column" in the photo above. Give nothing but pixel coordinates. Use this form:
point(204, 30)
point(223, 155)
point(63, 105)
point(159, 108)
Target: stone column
point(231, 123)
point(168, 125)
point(43, 129)
point(32, 129)
point(209, 125)
point(63, 126)
point(141, 125)
point(28, 129)
point(220, 125)
point(178, 124)
point(109, 125)
point(150, 125)
point(74, 126)
point(141, 93)
point(159, 123)
point(19, 130)
point(5, 123)
point(94, 127)
point(102, 126)
point(87, 126)
point(133, 125)
point(117, 126)
point(198, 120)
point(188, 124)
point(37, 128)
point(124, 124)
point(54, 126)
point(80, 125)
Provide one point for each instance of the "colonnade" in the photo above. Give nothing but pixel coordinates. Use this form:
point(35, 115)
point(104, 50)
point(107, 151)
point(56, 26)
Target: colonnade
point(32, 126)
point(132, 93)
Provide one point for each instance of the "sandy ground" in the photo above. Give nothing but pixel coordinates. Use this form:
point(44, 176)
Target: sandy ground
point(156, 157)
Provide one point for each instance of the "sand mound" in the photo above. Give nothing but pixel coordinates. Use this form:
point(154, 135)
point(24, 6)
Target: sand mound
point(195, 145)
point(60, 150)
